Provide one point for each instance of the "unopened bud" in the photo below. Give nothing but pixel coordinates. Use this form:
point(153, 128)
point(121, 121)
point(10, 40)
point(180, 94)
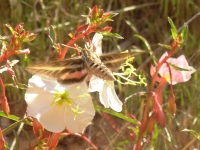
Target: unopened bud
point(106, 29)
point(150, 124)
point(82, 28)
point(172, 104)
point(2, 141)
point(160, 116)
point(132, 136)
point(25, 51)
point(94, 12)
point(53, 141)
point(37, 127)
point(5, 106)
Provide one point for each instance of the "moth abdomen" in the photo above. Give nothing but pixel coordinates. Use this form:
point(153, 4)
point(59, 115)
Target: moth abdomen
point(101, 71)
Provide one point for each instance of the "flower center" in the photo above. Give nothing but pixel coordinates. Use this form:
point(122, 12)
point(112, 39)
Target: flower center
point(62, 98)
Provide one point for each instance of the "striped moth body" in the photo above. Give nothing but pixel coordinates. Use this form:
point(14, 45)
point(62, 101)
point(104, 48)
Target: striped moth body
point(76, 69)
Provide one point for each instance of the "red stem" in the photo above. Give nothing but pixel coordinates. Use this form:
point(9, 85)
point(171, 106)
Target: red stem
point(146, 109)
point(71, 42)
point(81, 136)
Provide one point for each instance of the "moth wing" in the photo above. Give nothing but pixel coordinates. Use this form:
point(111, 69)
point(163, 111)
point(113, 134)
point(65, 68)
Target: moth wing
point(67, 71)
point(115, 60)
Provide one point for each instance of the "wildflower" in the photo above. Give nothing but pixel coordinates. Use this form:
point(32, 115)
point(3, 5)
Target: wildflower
point(59, 106)
point(177, 75)
point(107, 94)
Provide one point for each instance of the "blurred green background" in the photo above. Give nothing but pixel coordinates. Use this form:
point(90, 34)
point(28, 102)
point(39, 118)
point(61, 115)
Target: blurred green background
point(148, 19)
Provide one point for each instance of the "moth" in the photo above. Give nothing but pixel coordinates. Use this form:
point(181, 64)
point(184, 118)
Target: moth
point(76, 69)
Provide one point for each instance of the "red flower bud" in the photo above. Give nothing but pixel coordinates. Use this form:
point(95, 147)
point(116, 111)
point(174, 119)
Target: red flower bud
point(53, 140)
point(132, 136)
point(37, 127)
point(106, 29)
point(94, 12)
point(82, 28)
point(150, 123)
point(5, 106)
point(2, 141)
point(159, 114)
point(172, 104)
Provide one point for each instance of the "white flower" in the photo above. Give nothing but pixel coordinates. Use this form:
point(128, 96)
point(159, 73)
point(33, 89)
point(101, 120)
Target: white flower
point(107, 94)
point(59, 106)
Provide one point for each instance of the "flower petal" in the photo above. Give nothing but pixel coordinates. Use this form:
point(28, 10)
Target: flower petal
point(96, 84)
point(53, 119)
point(109, 95)
point(77, 123)
point(176, 75)
point(97, 41)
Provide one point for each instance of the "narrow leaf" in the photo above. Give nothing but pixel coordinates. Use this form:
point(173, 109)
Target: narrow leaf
point(12, 117)
point(192, 132)
point(17, 140)
point(147, 46)
point(119, 115)
point(184, 33)
point(165, 46)
point(52, 34)
point(172, 24)
point(111, 34)
point(174, 34)
point(10, 28)
point(178, 68)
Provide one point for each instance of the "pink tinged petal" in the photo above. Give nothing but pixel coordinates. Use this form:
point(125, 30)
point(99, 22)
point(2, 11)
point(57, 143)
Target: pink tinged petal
point(53, 119)
point(97, 41)
point(177, 75)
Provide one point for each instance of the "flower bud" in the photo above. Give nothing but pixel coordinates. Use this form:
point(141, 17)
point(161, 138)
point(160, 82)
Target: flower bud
point(53, 140)
point(37, 127)
point(2, 141)
point(172, 104)
point(24, 51)
point(5, 106)
point(94, 12)
point(160, 116)
point(151, 123)
point(106, 29)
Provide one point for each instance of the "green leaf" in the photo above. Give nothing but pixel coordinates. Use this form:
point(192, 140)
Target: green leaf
point(192, 132)
point(52, 34)
point(3, 47)
point(165, 46)
point(14, 125)
point(11, 117)
point(28, 137)
point(178, 68)
point(111, 34)
point(17, 140)
point(116, 114)
point(174, 34)
point(184, 33)
point(10, 28)
point(6, 145)
point(172, 24)
point(147, 47)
